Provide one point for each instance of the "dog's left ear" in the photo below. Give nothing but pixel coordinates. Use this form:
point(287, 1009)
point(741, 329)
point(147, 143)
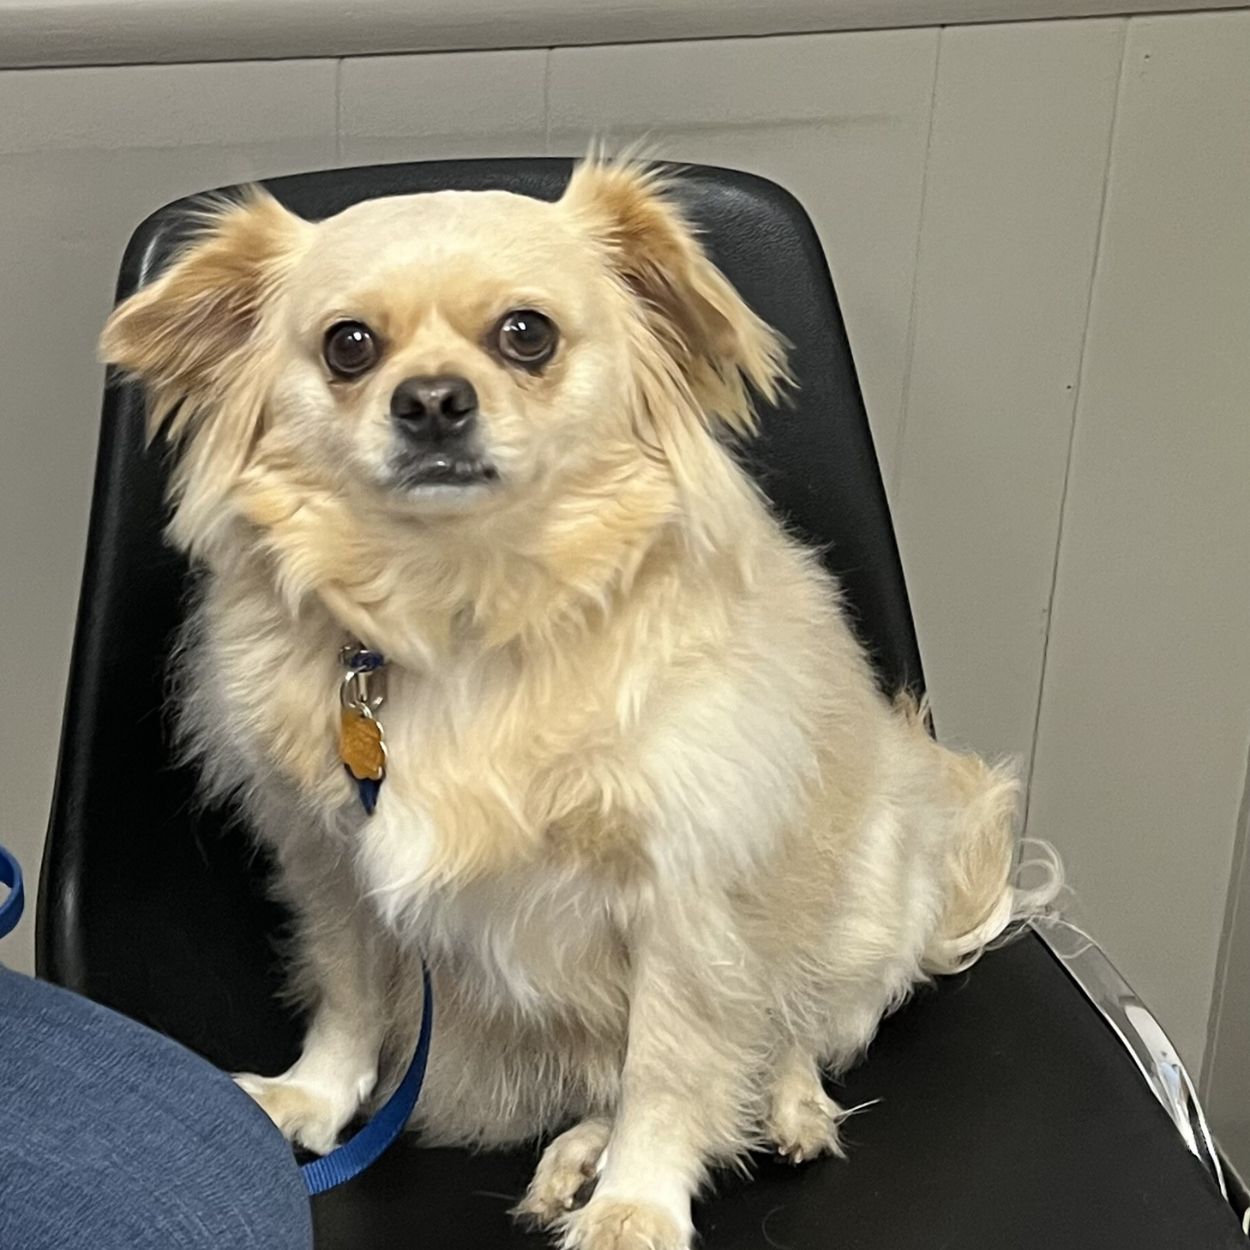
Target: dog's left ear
point(719, 346)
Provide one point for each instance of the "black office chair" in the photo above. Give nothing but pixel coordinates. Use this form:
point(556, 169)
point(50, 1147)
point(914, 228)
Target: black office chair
point(1008, 1112)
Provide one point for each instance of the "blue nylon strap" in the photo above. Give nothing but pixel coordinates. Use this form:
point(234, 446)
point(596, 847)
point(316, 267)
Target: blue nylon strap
point(11, 908)
point(356, 1154)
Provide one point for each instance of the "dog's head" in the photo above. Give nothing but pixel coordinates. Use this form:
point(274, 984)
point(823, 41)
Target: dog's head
point(441, 355)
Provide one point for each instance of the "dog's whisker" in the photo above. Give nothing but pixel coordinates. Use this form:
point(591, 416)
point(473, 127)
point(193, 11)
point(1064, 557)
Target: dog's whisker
point(845, 1113)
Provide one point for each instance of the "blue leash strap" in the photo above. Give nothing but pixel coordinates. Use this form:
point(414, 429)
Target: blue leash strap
point(11, 908)
point(360, 1151)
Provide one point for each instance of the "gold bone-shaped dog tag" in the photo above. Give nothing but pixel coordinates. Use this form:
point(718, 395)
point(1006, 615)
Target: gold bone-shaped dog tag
point(360, 746)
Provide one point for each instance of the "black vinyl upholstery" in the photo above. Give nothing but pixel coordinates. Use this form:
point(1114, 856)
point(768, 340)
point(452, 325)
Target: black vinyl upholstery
point(1009, 1115)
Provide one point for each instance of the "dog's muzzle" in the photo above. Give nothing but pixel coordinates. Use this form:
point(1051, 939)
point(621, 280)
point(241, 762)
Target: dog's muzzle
point(437, 420)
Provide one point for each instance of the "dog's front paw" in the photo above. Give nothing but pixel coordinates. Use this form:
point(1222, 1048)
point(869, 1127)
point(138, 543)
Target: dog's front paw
point(307, 1114)
point(611, 1224)
point(568, 1164)
point(803, 1120)
point(806, 1128)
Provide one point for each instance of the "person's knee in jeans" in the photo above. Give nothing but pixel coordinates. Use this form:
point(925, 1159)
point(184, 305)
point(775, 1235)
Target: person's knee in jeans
point(112, 1136)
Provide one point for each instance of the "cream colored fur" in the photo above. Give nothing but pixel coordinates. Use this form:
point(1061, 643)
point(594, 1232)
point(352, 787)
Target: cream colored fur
point(668, 851)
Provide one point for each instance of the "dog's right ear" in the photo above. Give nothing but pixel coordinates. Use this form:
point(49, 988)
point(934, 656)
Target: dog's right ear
point(185, 334)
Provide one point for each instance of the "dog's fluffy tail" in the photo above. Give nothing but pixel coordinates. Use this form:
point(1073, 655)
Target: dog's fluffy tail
point(984, 897)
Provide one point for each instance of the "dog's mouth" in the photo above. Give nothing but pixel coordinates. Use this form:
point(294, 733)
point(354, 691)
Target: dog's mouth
point(448, 470)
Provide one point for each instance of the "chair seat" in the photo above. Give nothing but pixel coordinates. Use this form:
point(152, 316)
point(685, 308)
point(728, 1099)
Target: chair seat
point(1009, 1118)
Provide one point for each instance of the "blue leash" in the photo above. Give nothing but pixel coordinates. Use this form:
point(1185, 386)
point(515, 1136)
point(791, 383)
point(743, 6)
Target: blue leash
point(11, 908)
point(362, 692)
point(353, 1156)
point(358, 1153)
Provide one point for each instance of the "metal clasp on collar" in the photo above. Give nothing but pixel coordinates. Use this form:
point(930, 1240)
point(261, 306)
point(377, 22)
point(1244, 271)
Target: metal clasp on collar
point(362, 744)
point(363, 687)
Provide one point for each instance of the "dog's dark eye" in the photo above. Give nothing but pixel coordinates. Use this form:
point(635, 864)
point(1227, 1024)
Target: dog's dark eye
point(527, 338)
point(350, 349)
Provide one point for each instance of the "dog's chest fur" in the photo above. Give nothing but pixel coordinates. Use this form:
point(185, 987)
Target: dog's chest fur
point(506, 842)
point(547, 936)
point(494, 847)
point(535, 795)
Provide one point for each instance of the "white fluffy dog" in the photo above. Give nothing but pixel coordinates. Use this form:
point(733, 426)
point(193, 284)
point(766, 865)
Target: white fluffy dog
point(668, 852)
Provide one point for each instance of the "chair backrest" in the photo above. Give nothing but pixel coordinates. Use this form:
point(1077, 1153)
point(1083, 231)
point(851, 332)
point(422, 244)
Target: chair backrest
point(156, 906)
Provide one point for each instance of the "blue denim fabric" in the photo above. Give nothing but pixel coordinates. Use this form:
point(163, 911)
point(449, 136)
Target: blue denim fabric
point(115, 1138)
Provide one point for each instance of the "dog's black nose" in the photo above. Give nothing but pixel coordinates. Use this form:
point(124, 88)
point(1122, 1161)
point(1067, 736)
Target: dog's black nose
point(435, 407)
